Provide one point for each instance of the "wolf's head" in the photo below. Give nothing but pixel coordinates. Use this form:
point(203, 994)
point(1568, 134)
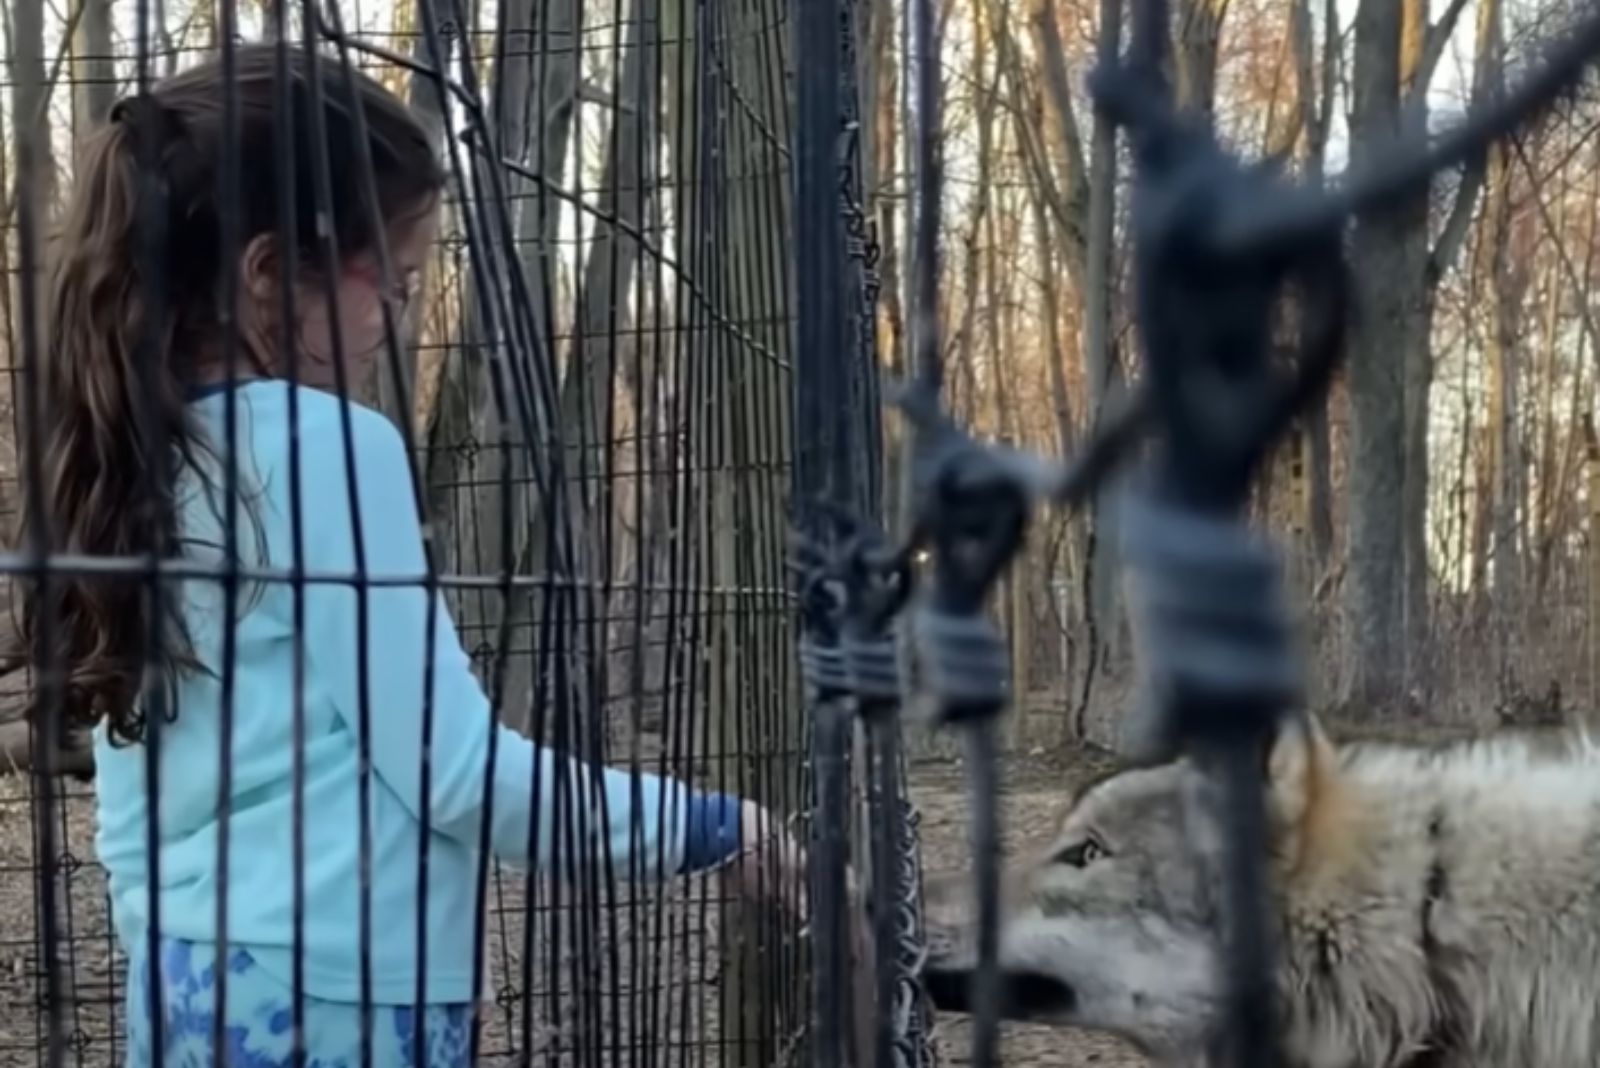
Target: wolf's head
point(1118, 926)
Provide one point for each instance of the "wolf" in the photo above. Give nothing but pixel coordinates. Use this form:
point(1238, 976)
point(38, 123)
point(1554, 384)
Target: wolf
point(1430, 907)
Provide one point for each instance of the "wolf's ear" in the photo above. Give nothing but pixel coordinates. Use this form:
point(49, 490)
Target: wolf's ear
point(1301, 776)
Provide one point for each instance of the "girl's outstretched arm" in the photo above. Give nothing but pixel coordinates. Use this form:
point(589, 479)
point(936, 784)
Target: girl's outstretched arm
point(666, 829)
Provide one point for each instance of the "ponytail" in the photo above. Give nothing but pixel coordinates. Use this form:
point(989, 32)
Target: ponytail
point(112, 414)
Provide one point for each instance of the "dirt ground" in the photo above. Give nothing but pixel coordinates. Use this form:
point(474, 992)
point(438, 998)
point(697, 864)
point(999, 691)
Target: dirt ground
point(1034, 788)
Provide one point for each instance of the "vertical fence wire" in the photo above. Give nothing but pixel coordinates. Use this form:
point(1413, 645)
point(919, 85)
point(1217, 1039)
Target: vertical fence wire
point(284, 142)
point(823, 471)
point(228, 200)
point(610, 544)
point(28, 144)
point(899, 1015)
point(150, 241)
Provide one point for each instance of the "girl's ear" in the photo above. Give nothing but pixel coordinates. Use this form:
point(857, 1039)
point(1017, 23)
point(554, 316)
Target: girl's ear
point(259, 269)
point(260, 315)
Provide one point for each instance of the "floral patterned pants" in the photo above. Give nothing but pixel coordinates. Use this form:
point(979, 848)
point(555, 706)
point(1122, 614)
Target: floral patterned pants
point(256, 1033)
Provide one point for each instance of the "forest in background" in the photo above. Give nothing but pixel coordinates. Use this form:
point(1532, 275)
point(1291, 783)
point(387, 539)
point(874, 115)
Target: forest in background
point(1437, 510)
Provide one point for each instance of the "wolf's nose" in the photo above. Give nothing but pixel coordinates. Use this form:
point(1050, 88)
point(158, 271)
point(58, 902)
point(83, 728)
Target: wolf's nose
point(1029, 994)
point(947, 986)
point(1023, 994)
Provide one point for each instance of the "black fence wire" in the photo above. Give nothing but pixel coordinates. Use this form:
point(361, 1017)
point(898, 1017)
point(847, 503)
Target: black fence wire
point(637, 357)
point(1216, 243)
point(632, 341)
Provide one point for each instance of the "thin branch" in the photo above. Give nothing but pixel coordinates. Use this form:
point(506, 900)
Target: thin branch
point(1279, 144)
point(1433, 48)
point(1400, 171)
point(1054, 57)
point(1454, 234)
point(1488, 77)
point(1553, 231)
point(1045, 183)
point(1300, 44)
point(1070, 216)
point(1332, 54)
point(51, 82)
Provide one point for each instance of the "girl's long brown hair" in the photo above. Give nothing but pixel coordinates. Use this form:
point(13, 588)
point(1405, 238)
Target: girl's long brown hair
point(115, 432)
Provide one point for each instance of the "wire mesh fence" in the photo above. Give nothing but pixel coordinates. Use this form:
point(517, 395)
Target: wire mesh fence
point(593, 370)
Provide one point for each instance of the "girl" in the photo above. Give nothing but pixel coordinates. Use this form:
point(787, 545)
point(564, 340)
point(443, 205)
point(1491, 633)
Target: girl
point(131, 455)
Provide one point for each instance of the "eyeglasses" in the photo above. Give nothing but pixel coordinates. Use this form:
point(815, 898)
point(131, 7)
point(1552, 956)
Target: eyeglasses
point(402, 291)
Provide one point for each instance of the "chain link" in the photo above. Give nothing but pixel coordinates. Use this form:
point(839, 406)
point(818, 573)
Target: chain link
point(910, 1011)
point(861, 232)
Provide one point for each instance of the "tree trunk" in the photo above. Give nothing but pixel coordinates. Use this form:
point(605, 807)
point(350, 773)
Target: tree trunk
point(1013, 598)
point(476, 450)
point(980, 226)
point(394, 385)
point(739, 432)
point(882, 77)
point(1199, 36)
point(1069, 208)
point(1501, 357)
point(1105, 611)
point(1315, 90)
point(34, 159)
point(1054, 349)
point(1546, 504)
point(576, 521)
point(1377, 411)
point(1416, 353)
point(94, 85)
point(1382, 364)
point(1421, 47)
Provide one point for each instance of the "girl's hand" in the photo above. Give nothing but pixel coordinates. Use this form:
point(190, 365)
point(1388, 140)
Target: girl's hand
point(770, 864)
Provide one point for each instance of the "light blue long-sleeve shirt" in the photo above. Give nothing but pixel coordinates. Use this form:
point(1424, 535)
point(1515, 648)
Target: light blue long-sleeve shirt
point(674, 830)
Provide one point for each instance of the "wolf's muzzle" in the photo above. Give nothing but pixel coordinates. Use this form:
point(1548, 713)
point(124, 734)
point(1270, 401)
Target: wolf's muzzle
point(1023, 995)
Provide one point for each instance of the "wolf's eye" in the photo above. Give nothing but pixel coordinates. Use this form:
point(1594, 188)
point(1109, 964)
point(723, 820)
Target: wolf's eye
point(1081, 854)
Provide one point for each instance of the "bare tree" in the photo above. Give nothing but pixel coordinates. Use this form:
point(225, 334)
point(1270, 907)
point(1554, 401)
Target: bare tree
point(880, 84)
point(94, 85)
point(472, 442)
point(394, 387)
point(1199, 41)
point(1315, 85)
point(1390, 369)
point(1098, 195)
point(1053, 345)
